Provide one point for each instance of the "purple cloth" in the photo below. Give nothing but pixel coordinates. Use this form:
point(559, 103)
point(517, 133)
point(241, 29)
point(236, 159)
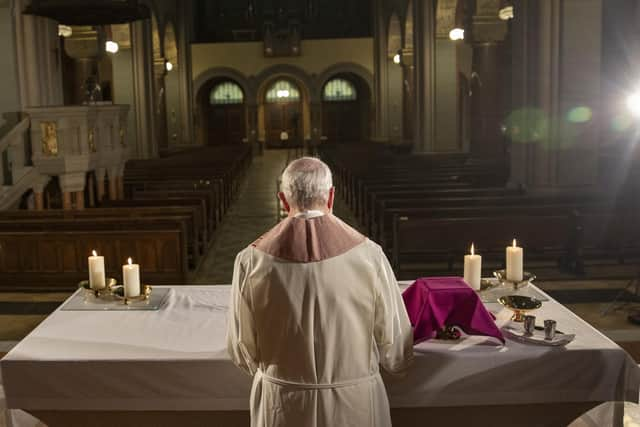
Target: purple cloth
point(436, 302)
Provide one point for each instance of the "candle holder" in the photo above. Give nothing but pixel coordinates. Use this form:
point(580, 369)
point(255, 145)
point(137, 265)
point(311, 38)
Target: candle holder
point(520, 305)
point(145, 294)
point(107, 290)
point(527, 278)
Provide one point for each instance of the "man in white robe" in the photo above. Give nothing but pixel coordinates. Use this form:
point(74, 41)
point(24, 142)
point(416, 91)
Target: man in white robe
point(315, 310)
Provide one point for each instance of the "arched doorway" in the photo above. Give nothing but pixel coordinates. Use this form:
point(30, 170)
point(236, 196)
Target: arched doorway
point(283, 115)
point(225, 113)
point(344, 109)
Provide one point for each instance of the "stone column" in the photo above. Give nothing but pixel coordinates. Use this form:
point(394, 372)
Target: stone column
point(38, 191)
point(252, 128)
point(184, 22)
point(92, 193)
point(143, 87)
point(38, 58)
point(67, 202)
point(316, 125)
point(38, 199)
point(380, 73)
point(80, 203)
point(555, 72)
point(71, 183)
point(408, 99)
point(121, 183)
point(424, 72)
point(160, 103)
point(100, 185)
point(114, 182)
point(487, 106)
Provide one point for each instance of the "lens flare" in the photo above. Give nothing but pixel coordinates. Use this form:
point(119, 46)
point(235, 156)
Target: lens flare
point(580, 115)
point(633, 102)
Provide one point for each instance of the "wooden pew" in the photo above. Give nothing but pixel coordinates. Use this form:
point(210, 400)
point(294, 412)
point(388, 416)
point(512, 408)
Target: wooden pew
point(424, 205)
point(188, 215)
point(199, 205)
point(53, 254)
point(172, 196)
point(444, 240)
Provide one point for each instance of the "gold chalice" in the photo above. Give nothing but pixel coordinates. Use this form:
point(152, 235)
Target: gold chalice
point(520, 305)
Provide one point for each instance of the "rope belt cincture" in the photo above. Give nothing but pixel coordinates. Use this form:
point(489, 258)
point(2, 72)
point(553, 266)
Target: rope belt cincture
point(257, 415)
point(314, 386)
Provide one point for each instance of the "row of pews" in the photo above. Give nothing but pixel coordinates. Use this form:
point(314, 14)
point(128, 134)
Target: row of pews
point(166, 221)
point(427, 210)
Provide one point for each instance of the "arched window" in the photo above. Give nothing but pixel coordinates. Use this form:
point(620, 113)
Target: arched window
point(339, 90)
point(226, 93)
point(283, 91)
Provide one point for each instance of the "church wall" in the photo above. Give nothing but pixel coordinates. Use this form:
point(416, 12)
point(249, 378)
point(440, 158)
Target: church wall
point(10, 100)
point(248, 58)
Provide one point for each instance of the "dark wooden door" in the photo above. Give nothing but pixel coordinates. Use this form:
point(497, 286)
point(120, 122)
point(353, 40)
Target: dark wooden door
point(283, 117)
point(342, 121)
point(226, 124)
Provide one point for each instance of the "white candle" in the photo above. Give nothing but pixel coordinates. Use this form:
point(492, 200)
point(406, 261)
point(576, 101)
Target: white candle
point(473, 269)
point(514, 263)
point(96, 271)
point(131, 279)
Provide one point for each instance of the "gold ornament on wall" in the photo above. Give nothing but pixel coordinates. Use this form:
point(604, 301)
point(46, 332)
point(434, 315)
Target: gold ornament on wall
point(49, 138)
point(92, 142)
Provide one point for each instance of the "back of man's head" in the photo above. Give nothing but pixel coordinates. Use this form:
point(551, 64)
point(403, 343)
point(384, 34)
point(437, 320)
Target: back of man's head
point(306, 183)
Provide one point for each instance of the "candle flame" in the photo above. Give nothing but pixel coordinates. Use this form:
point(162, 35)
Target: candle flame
point(514, 243)
point(94, 252)
point(130, 261)
point(472, 252)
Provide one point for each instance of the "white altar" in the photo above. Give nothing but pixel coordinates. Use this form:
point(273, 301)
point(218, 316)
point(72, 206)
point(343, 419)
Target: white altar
point(174, 361)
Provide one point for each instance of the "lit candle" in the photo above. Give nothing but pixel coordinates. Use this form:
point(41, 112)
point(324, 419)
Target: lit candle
point(514, 263)
point(96, 271)
point(473, 269)
point(131, 279)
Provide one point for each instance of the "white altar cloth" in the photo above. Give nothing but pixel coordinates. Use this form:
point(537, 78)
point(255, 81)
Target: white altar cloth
point(175, 359)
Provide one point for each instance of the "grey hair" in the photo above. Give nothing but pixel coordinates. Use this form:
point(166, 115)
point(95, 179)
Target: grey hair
point(306, 183)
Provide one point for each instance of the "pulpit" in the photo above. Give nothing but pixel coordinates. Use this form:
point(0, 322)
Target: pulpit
point(69, 141)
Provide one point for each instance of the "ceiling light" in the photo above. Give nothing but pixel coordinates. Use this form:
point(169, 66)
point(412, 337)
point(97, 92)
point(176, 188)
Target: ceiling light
point(456, 34)
point(64, 31)
point(506, 13)
point(633, 102)
point(111, 46)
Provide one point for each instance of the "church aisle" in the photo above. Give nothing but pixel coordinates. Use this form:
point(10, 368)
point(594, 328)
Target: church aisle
point(251, 214)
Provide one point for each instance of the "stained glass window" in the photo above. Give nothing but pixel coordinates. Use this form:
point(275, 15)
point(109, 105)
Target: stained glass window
point(339, 90)
point(226, 93)
point(283, 91)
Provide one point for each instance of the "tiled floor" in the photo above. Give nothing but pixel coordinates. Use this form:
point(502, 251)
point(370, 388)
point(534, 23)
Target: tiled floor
point(254, 212)
point(251, 215)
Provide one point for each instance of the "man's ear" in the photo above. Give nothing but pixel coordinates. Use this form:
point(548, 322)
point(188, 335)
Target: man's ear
point(330, 199)
point(283, 199)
